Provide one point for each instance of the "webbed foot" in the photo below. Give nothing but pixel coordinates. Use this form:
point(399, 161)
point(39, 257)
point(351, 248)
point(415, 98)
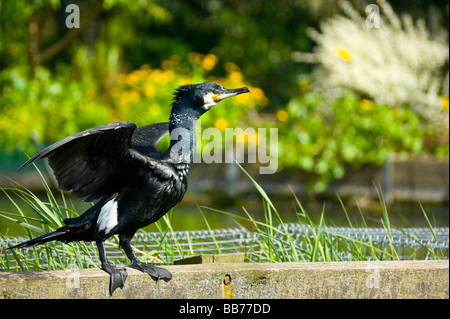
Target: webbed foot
point(117, 278)
point(155, 272)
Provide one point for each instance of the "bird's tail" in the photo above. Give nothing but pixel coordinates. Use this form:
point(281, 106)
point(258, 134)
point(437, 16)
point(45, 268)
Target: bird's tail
point(78, 228)
point(59, 234)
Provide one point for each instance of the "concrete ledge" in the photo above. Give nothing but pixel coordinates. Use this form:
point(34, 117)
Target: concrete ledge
point(390, 279)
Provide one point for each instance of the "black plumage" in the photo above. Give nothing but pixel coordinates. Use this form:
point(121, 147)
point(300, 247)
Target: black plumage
point(134, 183)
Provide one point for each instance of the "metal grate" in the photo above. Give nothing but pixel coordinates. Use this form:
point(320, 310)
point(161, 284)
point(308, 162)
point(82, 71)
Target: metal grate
point(409, 243)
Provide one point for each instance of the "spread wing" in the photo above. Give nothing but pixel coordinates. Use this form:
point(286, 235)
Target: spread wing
point(100, 161)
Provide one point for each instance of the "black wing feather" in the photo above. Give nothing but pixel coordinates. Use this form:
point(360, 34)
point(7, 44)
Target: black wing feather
point(100, 161)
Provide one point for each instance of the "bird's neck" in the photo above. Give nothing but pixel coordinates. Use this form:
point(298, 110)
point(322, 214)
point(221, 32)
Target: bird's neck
point(182, 138)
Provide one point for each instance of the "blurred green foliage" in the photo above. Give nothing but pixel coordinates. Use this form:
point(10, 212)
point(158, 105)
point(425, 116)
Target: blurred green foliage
point(126, 60)
point(324, 137)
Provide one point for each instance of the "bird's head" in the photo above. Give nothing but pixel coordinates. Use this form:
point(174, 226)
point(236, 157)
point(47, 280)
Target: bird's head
point(203, 96)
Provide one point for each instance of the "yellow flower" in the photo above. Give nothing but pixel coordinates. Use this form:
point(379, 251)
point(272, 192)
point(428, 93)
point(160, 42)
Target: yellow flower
point(282, 115)
point(244, 137)
point(444, 102)
point(169, 75)
point(141, 73)
point(258, 94)
point(134, 97)
point(343, 54)
point(366, 104)
point(244, 99)
point(132, 78)
point(209, 62)
point(156, 75)
point(221, 123)
point(236, 77)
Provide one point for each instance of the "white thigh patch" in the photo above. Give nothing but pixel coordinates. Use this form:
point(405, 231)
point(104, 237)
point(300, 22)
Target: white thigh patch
point(107, 219)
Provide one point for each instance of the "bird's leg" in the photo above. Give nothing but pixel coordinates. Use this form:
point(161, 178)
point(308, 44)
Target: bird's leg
point(154, 272)
point(117, 275)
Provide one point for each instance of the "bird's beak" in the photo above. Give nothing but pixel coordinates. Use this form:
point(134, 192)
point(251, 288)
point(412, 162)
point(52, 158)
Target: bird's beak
point(229, 93)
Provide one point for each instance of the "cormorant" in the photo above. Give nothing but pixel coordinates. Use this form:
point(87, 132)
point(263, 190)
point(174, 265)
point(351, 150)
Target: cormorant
point(135, 184)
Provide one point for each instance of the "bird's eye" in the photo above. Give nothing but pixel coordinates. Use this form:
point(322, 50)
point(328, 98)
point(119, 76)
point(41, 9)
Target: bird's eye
point(215, 92)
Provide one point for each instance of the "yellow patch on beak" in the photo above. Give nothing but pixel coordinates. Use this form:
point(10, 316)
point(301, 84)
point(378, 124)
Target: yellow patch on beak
point(210, 100)
point(215, 98)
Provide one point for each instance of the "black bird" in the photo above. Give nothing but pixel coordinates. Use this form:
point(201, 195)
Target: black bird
point(135, 184)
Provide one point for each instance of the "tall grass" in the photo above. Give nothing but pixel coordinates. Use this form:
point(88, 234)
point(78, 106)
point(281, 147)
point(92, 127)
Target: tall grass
point(317, 242)
point(274, 240)
point(48, 216)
